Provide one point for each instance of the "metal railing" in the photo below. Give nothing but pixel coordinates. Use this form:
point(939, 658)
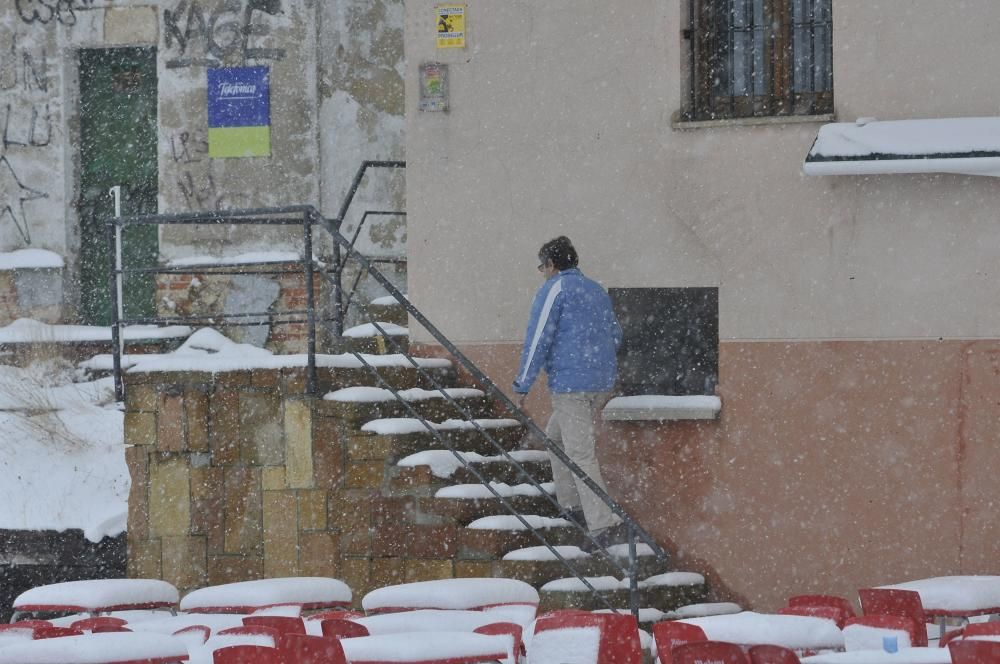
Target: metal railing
point(344, 252)
point(302, 215)
point(635, 532)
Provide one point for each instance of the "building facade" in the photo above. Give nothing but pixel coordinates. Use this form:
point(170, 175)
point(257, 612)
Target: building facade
point(102, 93)
point(858, 336)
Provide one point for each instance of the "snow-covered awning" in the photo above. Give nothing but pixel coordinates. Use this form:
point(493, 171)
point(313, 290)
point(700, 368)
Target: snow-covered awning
point(964, 146)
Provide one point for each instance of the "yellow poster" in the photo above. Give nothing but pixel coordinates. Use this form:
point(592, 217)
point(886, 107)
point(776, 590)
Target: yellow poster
point(450, 26)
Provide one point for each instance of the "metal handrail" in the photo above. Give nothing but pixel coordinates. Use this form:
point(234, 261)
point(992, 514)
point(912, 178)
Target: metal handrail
point(634, 529)
point(306, 216)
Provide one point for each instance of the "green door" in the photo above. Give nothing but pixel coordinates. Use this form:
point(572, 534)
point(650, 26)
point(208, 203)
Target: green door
point(117, 147)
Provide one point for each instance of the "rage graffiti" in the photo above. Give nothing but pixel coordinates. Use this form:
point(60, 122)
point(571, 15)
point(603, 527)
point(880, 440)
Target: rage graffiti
point(197, 37)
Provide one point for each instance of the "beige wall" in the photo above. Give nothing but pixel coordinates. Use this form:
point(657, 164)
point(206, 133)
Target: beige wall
point(560, 123)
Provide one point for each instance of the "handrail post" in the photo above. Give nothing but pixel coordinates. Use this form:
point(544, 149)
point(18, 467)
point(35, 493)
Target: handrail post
point(338, 293)
point(633, 572)
point(307, 221)
point(113, 277)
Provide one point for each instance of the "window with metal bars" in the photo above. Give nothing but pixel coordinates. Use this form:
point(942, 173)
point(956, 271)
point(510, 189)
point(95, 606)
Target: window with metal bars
point(751, 58)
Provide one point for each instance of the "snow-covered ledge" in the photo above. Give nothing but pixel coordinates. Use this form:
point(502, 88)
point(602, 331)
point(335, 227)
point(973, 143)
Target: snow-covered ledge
point(662, 407)
point(964, 146)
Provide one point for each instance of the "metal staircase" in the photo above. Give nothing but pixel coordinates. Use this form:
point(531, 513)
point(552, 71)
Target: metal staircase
point(474, 436)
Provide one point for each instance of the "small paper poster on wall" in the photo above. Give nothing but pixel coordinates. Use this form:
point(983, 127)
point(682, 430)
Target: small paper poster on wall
point(450, 26)
point(433, 86)
point(239, 112)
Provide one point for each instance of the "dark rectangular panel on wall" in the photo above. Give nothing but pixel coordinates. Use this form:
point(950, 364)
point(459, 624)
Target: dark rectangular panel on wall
point(671, 340)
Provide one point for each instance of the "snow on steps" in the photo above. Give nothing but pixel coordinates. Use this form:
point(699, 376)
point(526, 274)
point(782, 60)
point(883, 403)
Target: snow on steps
point(491, 537)
point(465, 503)
point(371, 338)
point(536, 565)
point(663, 591)
point(362, 404)
point(442, 465)
point(396, 438)
point(387, 309)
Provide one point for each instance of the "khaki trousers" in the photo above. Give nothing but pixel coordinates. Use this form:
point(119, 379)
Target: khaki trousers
point(571, 427)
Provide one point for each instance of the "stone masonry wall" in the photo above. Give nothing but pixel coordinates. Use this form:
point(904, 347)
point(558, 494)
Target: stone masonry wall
point(240, 476)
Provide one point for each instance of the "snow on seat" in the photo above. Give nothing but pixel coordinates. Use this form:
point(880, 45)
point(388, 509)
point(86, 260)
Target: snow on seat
point(429, 648)
point(98, 595)
point(749, 628)
point(426, 620)
point(468, 594)
point(171, 624)
point(108, 648)
point(309, 592)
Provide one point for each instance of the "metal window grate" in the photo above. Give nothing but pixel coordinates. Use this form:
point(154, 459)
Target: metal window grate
point(752, 58)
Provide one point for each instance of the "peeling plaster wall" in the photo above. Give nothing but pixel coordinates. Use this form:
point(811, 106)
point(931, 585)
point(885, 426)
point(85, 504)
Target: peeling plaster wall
point(361, 115)
point(337, 70)
point(196, 35)
point(33, 196)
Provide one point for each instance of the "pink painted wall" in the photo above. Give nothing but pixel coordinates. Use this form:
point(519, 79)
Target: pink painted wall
point(834, 466)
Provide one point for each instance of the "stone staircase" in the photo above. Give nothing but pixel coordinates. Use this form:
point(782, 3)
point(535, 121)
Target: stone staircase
point(436, 509)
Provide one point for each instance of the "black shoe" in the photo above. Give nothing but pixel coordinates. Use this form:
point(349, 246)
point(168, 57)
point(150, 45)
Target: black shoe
point(606, 537)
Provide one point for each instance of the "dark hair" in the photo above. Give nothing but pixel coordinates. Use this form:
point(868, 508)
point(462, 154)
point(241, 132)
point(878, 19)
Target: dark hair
point(560, 251)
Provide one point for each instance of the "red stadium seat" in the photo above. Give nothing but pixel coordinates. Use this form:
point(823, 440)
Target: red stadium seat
point(304, 649)
point(716, 652)
point(894, 602)
point(280, 624)
point(771, 654)
point(974, 652)
point(343, 629)
point(670, 634)
point(513, 629)
point(247, 655)
point(619, 634)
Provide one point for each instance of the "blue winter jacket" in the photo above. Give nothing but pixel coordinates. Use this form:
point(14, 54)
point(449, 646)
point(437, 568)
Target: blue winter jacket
point(572, 334)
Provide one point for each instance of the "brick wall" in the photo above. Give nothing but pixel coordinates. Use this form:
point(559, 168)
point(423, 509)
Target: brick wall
point(30, 293)
point(207, 294)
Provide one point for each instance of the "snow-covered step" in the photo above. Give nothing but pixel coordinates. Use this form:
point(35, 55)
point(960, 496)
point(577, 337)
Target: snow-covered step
point(444, 465)
point(665, 591)
point(406, 436)
point(388, 309)
point(465, 503)
point(363, 404)
point(380, 337)
point(537, 564)
point(493, 536)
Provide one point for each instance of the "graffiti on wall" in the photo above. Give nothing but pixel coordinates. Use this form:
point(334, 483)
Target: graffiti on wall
point(195, 182)
point(49, 11)
point(13, 195)
point(25, 113)
point(196, 37)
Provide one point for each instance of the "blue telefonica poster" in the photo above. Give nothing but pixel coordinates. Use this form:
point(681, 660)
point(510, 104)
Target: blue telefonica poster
point(239, 112)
